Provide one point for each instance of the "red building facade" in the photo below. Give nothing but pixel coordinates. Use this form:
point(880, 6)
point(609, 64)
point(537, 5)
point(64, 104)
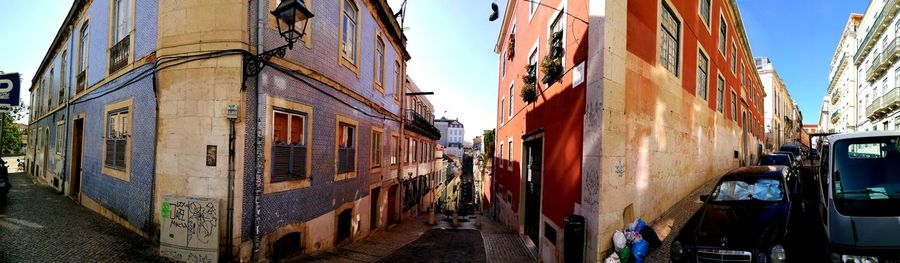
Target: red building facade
point(654, 99)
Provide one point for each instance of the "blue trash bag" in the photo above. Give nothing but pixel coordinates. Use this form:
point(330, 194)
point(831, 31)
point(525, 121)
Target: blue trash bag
point(639, 251)
point(639, 225)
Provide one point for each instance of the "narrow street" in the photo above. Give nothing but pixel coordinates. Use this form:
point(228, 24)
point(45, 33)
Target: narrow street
point(39, 225)
point(415, 241)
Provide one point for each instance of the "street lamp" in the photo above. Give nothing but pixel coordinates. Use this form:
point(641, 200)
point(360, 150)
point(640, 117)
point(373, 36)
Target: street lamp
point(293, 17)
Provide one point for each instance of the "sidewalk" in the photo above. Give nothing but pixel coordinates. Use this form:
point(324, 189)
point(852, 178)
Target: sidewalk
point(40, 225)
point(397, 241)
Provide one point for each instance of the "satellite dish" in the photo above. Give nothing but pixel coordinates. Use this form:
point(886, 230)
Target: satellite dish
point(494, 14)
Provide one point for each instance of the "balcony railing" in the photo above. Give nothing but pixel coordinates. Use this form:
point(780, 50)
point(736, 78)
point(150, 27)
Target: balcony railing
point(883, 61)
point(79, 82)
point(118, 54)
point(835, 116)
point(417, 123)
point(881, 22)
point(346, 160)
point(841, 63)
point(835, 97)
point(884, 105)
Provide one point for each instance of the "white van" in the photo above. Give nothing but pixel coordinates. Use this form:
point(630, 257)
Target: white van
point(862, 196)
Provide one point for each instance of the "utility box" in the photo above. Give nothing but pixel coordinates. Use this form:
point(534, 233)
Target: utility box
point(189, 229)
point(573, 244)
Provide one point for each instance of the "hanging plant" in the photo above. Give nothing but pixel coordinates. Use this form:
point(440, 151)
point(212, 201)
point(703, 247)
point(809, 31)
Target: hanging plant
point(511, 48)
point(551, 68)
point(529, 77)
point(528, 93)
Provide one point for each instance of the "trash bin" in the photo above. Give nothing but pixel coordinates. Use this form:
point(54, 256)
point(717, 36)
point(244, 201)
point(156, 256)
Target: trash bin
point(573, 245)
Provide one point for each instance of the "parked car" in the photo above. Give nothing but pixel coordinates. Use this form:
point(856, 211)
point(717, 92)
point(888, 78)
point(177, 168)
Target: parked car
point(797, 164)
point(784, 159)
point(744, 219)
point(794, 149)
point(814, 154)
point(862, 196)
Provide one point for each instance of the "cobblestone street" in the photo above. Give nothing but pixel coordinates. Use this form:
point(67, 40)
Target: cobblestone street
point(416, 241)
point(39, 225)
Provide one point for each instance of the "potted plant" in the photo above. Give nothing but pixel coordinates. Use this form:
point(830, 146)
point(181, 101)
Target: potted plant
point(511, 48)
point(551, 68)
point(529, 77)
point(528, 93)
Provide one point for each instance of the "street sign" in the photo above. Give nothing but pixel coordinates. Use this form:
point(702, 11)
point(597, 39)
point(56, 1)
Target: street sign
point(9, 90)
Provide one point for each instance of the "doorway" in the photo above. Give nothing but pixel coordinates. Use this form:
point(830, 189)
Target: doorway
point(45, 154)
point(533, 170)
point(392, 205)
point(376, 196)
point(75, 165)
point(344, 221)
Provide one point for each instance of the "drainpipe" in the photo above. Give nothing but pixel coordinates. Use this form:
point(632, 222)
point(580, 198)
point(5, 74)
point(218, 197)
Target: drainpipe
point(229, 232)
point(257, 188)
point(68, 110)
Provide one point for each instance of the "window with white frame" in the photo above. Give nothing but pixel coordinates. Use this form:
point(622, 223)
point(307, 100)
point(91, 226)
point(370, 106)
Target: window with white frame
point(510, 155)
point(669, 39)
point(733, 106)
point(720, 94)
point(121, 19)
point(60, 136)
point(500, 156)
point(80, 79)
point(723, 33)
point(502, 103)
point(733, 57)
point(510, 114)
point(702, 74)
point(704, 11)
point(532, 6)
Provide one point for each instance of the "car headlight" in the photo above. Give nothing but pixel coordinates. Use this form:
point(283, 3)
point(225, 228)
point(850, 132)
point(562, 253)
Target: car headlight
point(777, 255)
point(677, 250)
point(853, 259)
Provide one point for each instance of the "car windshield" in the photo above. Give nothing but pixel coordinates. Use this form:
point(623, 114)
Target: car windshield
point(741, 190)
point(775, 160)
point(867, 168)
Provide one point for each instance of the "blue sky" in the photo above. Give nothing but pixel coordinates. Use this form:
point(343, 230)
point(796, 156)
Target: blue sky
point(800, 38)
point(27, 28)
point(452, 43)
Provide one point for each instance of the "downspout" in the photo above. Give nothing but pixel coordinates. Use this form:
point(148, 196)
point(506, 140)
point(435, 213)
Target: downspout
point(257, 187)
point(229, 231)
point(68, 110)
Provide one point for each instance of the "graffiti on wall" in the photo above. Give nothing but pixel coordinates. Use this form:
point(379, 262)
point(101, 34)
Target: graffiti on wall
point(189, 228)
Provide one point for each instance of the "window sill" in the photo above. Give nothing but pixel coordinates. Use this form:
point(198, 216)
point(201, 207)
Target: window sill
point(116, 173)
point(287, 185)
point(349, 65)
point(344, 176)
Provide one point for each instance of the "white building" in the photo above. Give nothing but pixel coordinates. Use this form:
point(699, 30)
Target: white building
point(877, 69)
point(840, 106)
point(452, 135)
point(782, 118)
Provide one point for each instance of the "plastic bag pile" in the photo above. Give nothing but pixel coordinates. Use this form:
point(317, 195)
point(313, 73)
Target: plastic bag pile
point(632, 244)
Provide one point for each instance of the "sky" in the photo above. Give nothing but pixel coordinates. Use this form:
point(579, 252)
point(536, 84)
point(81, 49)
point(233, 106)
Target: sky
point(23, 47)
point(452, 48)
point(800, 37)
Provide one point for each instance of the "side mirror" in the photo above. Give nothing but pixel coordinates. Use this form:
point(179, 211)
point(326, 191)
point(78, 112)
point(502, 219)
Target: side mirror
point(704, 198)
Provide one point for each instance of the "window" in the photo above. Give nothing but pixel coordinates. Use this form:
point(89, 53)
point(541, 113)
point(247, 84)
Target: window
point(733, 106)
point(720, 94)
point(723, 32)
point(704, 11)
point(558, 24)
point(702, 74)
point(376, 147)
point(117, 123)
point(511, 101)
point(395, 149)
point(60, 135)
point(502, 102)
point(50, 89)
point(398, 81)
point(415, 151)
point(669, 37)
point(408, 150)
point(379, 63)
point(897, 123)
point(63, 66)
point(349, 30)
point(121, 20)
point(734, 61)
point(509, 153)
point(503, 63)
point(290, 131)
point(80, 79)
point(532, 7)
point(346, 149)
point(533, 63)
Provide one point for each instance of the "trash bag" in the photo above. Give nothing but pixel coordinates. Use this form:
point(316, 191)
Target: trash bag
point(649, 235)
point(614, 258)
point(639, 250)
point(639, 225)
point(619, 240)
point(631, 236)
point(625, 255)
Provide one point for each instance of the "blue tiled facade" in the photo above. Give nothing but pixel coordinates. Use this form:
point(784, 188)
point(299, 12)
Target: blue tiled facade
point(129, 200)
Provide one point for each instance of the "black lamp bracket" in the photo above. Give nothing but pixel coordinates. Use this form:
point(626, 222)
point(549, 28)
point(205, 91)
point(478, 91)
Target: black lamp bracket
point(255, 63)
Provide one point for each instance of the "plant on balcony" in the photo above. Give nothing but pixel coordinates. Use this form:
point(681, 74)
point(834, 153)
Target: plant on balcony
point(511, 47)
point(529, 90)
point(551, 65)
